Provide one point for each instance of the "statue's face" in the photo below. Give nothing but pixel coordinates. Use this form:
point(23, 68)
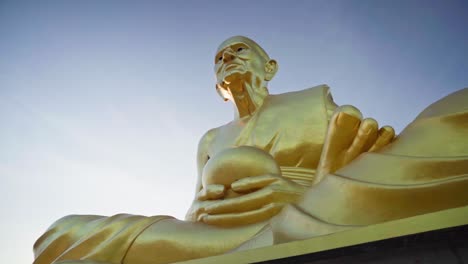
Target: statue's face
point(236, 59)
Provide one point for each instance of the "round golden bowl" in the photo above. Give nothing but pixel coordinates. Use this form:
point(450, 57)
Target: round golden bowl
point(233, 164)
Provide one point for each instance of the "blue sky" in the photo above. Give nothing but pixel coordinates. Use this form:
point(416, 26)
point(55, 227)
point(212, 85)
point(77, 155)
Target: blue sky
point(102, 103)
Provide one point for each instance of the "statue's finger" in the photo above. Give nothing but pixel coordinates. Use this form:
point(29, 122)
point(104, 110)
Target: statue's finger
point(242, 203)
point(385, 136)
point(348, 111)
point(343, 128)
point(215, 191)
point(341, 132)
point(254, 200)
point(201, 216)
point(211, 192)
point(365, 137)
point(244, 218)
point(249, 184)
point(201, 195)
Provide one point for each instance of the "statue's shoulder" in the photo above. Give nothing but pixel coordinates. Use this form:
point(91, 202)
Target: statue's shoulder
point(208, 136)
point(322, 89)
point(319, 93)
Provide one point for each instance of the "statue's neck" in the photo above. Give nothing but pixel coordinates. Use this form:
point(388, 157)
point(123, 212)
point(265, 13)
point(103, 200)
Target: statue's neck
point(246, 98)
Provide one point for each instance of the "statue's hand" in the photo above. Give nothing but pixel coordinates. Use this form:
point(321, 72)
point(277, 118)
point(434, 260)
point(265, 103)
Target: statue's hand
point(347, 137)
point(211, 192)
point(263, 197)
point(203, 198)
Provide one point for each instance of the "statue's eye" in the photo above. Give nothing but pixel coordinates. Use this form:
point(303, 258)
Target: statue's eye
point(240, 49)
point(220, 58)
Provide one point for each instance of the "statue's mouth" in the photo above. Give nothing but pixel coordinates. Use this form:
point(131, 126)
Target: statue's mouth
point(231, 66)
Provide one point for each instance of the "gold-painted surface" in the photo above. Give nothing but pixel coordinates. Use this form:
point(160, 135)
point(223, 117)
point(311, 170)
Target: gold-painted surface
point(402, 227)
point(250, 161)
point(288, 167)
point(91, 237)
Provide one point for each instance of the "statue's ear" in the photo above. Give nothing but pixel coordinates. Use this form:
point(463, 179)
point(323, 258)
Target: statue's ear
point(222, 92)
point(271, 67)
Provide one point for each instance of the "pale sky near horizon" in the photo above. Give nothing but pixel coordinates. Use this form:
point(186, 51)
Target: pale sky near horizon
point(102, 103)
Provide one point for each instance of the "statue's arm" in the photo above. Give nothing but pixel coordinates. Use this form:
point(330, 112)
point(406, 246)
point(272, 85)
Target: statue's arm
point(262, 196)
point(202, 159)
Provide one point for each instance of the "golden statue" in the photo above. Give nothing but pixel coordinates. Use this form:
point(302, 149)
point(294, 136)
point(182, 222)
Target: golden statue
point(288, 167)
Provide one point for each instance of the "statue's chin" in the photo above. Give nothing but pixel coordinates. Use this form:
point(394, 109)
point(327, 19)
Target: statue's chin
point(235, 75)
point(237, 163)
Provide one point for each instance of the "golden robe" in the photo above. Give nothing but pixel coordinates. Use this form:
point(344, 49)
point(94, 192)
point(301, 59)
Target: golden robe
point(424, 170)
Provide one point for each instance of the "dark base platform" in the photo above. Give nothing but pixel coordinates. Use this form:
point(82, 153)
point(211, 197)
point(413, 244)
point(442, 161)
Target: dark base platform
point(448, 245)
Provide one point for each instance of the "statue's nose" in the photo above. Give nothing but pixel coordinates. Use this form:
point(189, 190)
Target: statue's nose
point(228, 55)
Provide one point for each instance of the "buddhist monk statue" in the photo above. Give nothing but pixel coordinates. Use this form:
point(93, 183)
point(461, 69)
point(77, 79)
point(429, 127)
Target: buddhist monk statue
point(289, 166)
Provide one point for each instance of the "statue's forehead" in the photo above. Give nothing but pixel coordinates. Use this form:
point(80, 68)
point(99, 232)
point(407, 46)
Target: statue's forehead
point(236, 40)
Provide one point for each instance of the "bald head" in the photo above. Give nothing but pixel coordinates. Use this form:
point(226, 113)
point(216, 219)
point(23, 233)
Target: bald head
point(242, 62)
point(241, 39)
